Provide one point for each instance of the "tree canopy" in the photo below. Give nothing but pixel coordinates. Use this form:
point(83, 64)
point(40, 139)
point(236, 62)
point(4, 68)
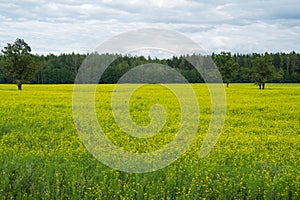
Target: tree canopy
point(227, 66)
point(18, 65)
point(263, 70)
point(234, 68)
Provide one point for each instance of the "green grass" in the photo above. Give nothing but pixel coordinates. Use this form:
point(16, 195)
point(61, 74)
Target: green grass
point(256, 156)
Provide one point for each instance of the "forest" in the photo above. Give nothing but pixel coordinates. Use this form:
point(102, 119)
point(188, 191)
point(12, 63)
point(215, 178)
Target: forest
point(234, 68)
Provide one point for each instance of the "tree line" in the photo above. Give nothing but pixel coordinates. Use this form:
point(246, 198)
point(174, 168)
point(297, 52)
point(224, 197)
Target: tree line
point(18, 65)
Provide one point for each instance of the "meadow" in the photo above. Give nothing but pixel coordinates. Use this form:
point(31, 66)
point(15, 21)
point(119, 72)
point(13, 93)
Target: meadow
point(256, 156)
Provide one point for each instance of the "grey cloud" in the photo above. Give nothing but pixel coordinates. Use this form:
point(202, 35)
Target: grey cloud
point(70, 25)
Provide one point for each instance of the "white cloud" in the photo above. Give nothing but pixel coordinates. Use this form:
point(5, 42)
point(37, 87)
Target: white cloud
point(64, 26)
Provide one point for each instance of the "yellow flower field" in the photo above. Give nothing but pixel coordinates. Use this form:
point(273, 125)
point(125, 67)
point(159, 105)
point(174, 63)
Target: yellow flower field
point(256, 156)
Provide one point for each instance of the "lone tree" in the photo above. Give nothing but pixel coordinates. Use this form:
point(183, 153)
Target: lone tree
point(263, 70)
point(18, 64)
point(227, 66)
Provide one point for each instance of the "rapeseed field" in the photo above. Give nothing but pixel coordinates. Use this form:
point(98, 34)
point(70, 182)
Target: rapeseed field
point(256, 157)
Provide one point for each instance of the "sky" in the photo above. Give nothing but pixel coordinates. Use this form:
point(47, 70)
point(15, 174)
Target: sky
point(65, 26)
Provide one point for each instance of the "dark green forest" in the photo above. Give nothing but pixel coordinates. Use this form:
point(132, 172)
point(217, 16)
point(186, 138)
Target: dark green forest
point(234, 68)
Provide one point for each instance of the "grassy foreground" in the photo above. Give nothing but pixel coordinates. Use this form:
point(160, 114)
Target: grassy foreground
point(256, 157)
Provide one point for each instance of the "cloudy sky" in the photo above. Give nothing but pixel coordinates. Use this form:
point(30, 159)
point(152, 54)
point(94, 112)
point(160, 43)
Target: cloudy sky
point(64, 26)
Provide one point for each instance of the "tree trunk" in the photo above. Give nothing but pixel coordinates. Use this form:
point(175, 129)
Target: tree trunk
point(259, 86)
point(19, 86)
point(263, 86)
point(227, 84)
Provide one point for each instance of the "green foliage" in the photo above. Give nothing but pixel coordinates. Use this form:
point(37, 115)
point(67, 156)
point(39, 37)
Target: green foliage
point(256, 157)
point(59, 69)
point(236, 68)
point(18, 64)
point(263, 70)
point(227, 66)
